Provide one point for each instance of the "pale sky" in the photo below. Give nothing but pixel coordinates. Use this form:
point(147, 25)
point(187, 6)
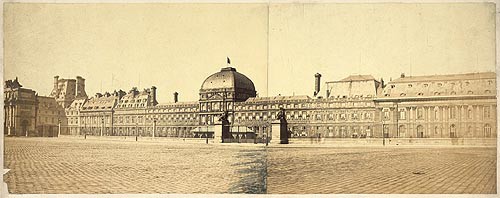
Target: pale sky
point(176, 46)
point(172, 46)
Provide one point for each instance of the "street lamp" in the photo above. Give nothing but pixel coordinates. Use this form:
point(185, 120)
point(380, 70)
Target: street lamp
point(59, 127)
point(206, 135)
point(383, 132)
point(102, 126)
point(136, 132)
point(154, 126)
point(267, 137)
point(85, 128)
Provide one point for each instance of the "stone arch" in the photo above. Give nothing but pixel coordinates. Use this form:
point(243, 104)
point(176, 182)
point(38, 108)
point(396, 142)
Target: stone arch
point(24, 127)
point(470, 131)
point(420, 131)
point(402, 131)
point(453, 131)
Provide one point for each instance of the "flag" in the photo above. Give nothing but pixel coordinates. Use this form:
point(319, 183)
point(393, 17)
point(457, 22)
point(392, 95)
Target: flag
point(228, 61)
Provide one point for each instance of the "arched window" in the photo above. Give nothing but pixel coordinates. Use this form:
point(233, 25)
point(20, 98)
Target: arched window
point(402, 131)
point(487, 130)
point(420, 131)
point(469, 114)
point(470, 132)
point(453, 131)
point(437, 131)
point(420, 113)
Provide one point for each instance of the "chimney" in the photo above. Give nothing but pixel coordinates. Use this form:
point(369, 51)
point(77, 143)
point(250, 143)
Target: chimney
point(56, 80)
point(317, 83)
point(153, 95)
point(402, 75)
point(80, 87)
point(176, 97)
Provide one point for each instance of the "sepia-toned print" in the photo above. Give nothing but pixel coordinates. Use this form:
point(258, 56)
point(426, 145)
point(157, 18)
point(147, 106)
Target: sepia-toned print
point(250, 98)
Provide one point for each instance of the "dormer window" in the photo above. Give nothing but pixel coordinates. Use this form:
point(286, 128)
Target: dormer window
point(420, 94)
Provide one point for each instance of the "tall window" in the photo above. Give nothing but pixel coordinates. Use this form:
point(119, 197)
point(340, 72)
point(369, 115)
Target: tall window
point(436, 114)
point(453, 131)
point(469, 114)
point(343, 131)
point(436, 130)
point(386, 131)
point(486, 112)
point(487, 130)
point(402, 131)
point(453, 113)
point(420, 113)
point(402, 114)
point(420, 131)
point(386, 114)
point(470, 132)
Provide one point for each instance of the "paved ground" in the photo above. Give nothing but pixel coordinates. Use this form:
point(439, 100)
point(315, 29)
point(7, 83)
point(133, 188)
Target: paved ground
point(380, 170)
point(70, 165)
point(51, 165)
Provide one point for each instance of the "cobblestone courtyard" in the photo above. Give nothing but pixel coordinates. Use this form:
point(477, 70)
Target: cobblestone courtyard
point(51, 165)
point(70, 165)
point(433, 170)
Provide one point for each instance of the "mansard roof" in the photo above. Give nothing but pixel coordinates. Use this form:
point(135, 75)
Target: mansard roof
point(448, 77)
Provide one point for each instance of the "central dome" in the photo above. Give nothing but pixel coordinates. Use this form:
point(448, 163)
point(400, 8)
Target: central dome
point(228, 78)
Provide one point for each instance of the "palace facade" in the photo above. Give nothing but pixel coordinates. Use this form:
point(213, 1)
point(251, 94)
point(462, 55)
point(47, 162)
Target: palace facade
point(358, 106)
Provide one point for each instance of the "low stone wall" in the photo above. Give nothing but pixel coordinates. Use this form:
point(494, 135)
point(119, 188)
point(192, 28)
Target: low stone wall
point(396, 141)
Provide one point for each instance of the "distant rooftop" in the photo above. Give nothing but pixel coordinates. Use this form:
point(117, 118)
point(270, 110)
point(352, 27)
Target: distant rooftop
point(356, 78)
point(480, 75)
point(257, 99)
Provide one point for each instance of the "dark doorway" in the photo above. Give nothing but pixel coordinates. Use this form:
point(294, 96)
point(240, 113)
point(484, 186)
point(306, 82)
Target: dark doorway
point(24, 127)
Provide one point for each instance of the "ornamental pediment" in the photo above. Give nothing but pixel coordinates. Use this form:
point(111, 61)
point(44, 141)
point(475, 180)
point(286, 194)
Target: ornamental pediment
point(215, 97)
